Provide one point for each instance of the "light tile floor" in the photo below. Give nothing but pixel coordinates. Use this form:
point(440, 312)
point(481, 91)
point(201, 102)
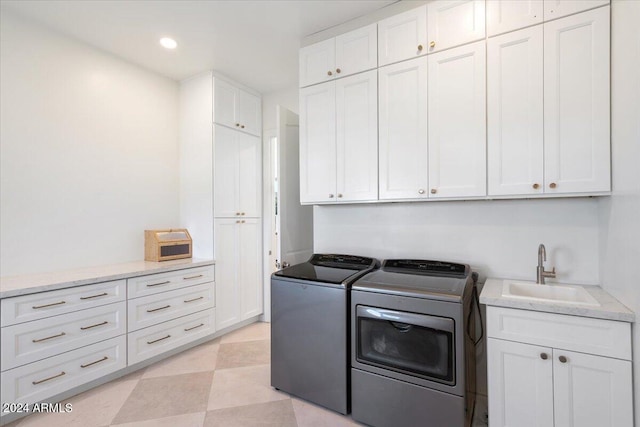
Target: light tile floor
point(224, 382)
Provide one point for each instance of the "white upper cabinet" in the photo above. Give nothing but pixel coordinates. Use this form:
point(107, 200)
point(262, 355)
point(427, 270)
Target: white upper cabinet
point(339, 140)
point(236, 108)
point(577, 103)
point(515, 113)
point(318, 143)
point(558, 8)
point(457, 117)
point(509, 15)
point(454, 22)
point(402, 36)
point(343, 55)
point(236, 174)
point(403, 130)
point(357, 137)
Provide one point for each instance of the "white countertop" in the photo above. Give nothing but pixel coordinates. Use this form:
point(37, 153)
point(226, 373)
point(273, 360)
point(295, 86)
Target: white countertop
point(12, 286)
point(610, 308)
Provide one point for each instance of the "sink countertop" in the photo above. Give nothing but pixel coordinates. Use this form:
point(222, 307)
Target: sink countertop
point(12, 286)
point(610, 308)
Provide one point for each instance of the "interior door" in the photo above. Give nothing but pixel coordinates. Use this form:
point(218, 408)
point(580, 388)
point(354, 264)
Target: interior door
point(295, 220)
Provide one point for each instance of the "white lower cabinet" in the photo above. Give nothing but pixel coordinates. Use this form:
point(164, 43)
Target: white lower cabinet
point(238, 282)
point(532, 384)
point(39, 380)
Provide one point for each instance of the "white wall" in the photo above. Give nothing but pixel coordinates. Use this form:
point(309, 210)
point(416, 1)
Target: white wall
point(497, 238)
point(89, 153)
point(620, 214)
point(287, 98)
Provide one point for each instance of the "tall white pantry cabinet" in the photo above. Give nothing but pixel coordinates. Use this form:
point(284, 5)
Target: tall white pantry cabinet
point(220, 188)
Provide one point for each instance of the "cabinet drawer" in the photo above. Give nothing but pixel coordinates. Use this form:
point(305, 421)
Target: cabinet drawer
point(40, 380)
point(154, 283)
point(158, 339)
point(32, 341)
point(583, 334)
point(45, 304)
point(153, 309)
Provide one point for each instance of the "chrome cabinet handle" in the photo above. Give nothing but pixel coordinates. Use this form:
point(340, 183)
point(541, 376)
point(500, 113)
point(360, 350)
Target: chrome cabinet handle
point(193, 299)
point(35, 307)
point(421, 191)
point(159, 308)
point(50, 378)
point(61, 334)
point(194, 327)
point(159, 284)
point(159, 339)
point(192, 277)
point(84, 328)
point(93, 363)
point(104, 294)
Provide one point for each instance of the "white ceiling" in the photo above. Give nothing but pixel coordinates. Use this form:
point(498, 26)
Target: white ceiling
point(256, 42)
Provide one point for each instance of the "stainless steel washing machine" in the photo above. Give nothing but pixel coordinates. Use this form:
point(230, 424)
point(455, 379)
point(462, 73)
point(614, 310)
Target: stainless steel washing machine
point(413, 354)
point(310, 338)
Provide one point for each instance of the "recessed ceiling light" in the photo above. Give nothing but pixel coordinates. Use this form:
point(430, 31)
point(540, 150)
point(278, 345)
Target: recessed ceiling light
point(168, 43)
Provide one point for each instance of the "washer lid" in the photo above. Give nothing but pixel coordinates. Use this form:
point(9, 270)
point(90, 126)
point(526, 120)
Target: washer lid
point(418, 278)
point(330, 268)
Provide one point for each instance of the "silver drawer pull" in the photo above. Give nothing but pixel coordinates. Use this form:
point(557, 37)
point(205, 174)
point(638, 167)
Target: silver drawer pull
point(193, 299)
point(158, 284)
point(84, 328)
point(194, 327)
point(104, 294)
point(93, 363)
point(192, 277)
point(158, 309)
point(35, 307)
point(61, 334)
point(50, 378)
point(159, 339)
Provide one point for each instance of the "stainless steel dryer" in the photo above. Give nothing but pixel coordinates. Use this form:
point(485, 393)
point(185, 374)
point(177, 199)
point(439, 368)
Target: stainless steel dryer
point(310, 328)
point(413, 354)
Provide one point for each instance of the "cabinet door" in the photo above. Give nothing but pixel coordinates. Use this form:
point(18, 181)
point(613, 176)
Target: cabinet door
point(357, 137)
point(318, 143)
point(558, 8)
point(403, 130)
point(514, 102)
point(577, 103)
point(591, 391)
point(248, 114)
point(402, 36)
point(454, 22)
point(224, 103)
point(317, 62)
point(249, 268)
point(357, 51)
point(509, 15)
point(249, 175)
point(520, 384)
point(226, 253)
point(226, 173)
point(457, 124)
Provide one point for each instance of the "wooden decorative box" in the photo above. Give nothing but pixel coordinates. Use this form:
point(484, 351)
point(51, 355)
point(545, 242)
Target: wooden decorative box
point(163, 245)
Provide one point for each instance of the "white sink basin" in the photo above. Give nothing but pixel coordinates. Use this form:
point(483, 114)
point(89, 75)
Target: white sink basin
point(565, 294)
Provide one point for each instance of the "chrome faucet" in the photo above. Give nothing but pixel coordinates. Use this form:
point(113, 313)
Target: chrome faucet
point(540, 271)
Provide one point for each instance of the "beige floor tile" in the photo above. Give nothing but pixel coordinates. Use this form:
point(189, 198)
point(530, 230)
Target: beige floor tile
point(166, 396)
point(272, 414)
point(186, 420)
point(247, 353)
point(310, 415)
point(254, 332)
point(135, 375)
point(94, 408)
point(242, 386)
point(198, 359)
